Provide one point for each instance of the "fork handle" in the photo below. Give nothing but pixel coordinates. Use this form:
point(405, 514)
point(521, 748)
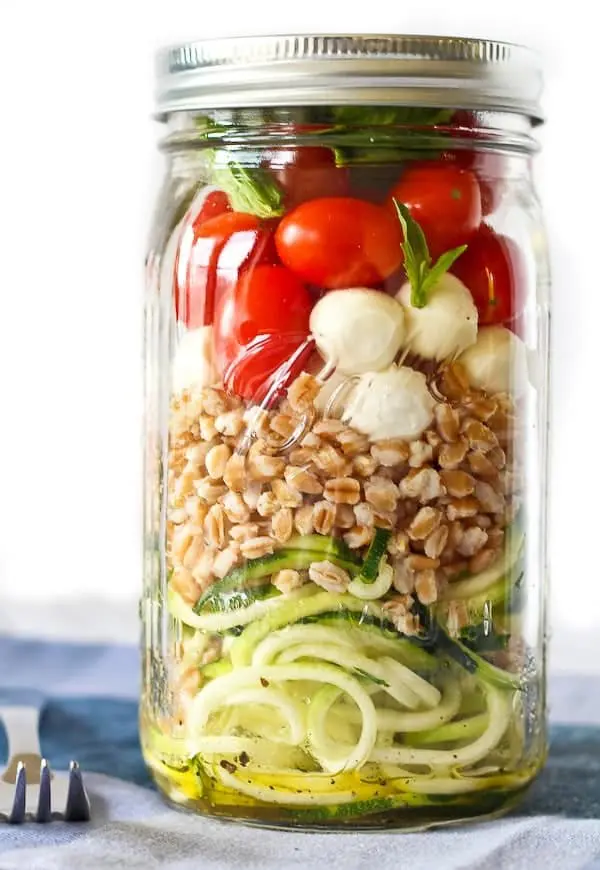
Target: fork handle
point(22, 730)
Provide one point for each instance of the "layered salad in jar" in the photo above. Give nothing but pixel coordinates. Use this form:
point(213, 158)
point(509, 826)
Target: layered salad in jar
point(344, 538)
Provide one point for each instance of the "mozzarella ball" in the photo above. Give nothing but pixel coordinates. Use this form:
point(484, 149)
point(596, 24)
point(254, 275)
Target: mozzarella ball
point(447, 323)
point(395, 403)
point(193, 365)
point(359, 330)
point(497, 362)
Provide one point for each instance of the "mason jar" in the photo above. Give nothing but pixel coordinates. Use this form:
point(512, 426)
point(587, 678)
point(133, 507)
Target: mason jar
point(346, 347)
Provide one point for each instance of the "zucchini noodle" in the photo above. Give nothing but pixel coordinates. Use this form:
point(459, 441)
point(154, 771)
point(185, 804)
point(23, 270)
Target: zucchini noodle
point(502, 569)
point(288, 611)
point(393, 684)
point(217, 693)
point(371, 591)
point(267, 650)
point(425, 692)
point(290, 710)
point(499, 707)
point(329, 752)
point(262, 755)
point(230, 619)
point(269, 794)
point(464, 729)
point(421, 720)
point(457, 784)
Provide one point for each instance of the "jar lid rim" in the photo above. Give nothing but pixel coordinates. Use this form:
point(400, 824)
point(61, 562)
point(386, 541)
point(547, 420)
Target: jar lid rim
point(353, 69)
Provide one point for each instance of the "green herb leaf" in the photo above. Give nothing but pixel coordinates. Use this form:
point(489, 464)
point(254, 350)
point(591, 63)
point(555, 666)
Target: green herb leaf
point(422, 274)
point(375, 115)
point(249, 189)
point(480, 638)
point(356, 142)
point(443, 264)
point(377, 680)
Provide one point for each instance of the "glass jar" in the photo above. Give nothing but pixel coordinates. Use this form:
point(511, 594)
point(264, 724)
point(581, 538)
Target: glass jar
point(346, 411)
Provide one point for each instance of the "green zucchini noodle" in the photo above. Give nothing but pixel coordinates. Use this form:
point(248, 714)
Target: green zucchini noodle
point(220, 691)
point(290, 710)
point(499, 571)
point(377, 589)
point(427, 694)
point(346, 658)
point(499, 709)
point(267, 650)
point(329, 752)
point(216, 622)
point(331, 710)
point(420, 720)
point(463, 729)
point(268, 794)
point(262, 755)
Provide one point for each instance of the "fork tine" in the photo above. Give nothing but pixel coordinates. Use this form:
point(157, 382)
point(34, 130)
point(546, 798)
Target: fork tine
point(17, 815)
point(78, 805)
point(44, 813)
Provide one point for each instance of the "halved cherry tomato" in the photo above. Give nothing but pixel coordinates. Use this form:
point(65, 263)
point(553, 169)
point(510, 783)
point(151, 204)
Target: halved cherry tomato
point(338, 242)
point(266, 301)
point(493, 269)
point(264, 368)
point(444, 199)
point(209, 258)
point(307, 172)
point(215, 203)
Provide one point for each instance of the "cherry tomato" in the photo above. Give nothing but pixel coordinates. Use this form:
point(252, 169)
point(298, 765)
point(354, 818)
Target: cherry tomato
point(493, 269)
point(340, 242)
point(263, 369)
point(308, 172)
point(215, 203)
point(210, 255)
point(444, 199)
point(266, 301)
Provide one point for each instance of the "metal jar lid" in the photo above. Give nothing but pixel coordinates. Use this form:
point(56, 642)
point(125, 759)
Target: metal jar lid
point(437, 71)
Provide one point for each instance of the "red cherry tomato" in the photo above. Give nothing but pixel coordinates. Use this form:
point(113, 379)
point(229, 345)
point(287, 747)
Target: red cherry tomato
point(444, 199)
point(263, 369)
point(489, 167)
point(266, 301)
point(493, 269)
point(340, 242)
point(209, 258)
point(215, 203)
point(308, 172)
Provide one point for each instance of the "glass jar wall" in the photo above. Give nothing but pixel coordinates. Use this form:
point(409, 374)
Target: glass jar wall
point(346, 344)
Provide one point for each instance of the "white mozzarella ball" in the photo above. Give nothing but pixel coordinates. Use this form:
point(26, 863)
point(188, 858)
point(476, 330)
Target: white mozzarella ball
point(447, 323)
point(358, 330)
point(395, 403)
point(497, 362)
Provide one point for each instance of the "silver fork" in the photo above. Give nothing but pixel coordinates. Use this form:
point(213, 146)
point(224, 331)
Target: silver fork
point(28, 789)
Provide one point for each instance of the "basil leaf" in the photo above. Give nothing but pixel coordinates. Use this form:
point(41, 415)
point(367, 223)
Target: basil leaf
point(422, 275)
point(442, 265)
point(356, 142)
point(251, 190)
point(376, 115)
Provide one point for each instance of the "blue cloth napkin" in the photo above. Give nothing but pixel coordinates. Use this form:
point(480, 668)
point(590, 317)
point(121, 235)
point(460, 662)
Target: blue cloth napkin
point(87, 696)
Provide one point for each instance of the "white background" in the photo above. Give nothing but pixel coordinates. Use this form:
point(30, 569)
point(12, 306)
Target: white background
point(78, 172)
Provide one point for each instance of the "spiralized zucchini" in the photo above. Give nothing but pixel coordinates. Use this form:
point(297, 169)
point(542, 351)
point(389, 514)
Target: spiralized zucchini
point(216, 622)
point(219, 692)
point(498, 708)
point(333, 699)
